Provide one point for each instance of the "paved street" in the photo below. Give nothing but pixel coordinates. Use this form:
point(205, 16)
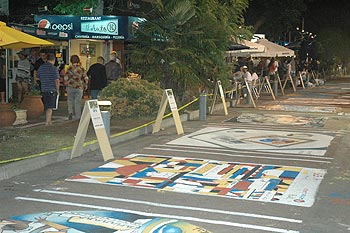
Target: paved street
point(282, 167)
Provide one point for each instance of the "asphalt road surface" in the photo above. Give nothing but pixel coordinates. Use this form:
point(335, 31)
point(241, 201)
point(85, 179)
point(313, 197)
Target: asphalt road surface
point(247, 174)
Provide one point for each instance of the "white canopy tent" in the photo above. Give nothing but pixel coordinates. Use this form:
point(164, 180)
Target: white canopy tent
point(273, 50)
point(253, 48)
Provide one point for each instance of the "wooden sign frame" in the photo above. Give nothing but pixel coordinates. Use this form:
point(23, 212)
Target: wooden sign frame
point(92, 111)
point(218, 88)
point(289, 78)
point(269, 87)
point(249, 90)
point(168, 97)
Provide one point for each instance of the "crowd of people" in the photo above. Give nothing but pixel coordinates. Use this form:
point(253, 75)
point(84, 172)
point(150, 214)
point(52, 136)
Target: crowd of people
point(40, 71)
point(271, 67)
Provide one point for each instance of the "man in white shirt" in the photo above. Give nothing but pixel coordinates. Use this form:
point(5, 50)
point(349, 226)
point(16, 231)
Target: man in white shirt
point(246, 74)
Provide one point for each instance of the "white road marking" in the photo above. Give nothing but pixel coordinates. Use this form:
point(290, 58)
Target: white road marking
point(210, 221)
point(233, 155)
point(242, 151)
point(170, 206)
point(290, 128)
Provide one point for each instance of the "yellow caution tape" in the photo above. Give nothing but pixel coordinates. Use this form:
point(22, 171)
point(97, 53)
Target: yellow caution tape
point(93, 141)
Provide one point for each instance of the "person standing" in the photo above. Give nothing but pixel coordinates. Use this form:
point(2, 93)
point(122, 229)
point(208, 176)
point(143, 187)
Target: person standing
point(247, 77)
point(113, 68)
point(272, 68)
point(77, 82)
point(23, 75)
point(50, 84)
point(98, 77)
point(37, 64)
point(246, 74)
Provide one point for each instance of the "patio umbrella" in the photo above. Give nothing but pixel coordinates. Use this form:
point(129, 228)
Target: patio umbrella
point(13, 39)
point(247, 48)
point(273, 50)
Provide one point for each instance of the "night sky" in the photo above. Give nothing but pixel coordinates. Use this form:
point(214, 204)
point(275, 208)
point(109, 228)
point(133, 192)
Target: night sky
point(327, 13)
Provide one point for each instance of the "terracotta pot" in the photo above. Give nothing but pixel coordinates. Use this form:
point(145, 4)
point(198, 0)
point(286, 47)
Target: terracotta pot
point(33, 105)
point(7, 115)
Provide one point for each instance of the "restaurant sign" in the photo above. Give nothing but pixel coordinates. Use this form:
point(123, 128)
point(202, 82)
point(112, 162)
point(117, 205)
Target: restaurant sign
point(82, 27)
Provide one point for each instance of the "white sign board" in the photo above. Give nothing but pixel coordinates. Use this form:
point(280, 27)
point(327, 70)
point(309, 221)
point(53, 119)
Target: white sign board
point(168, 96)
point(171, 99)
point(95, 114)
point(218, 86)
point(92, 110)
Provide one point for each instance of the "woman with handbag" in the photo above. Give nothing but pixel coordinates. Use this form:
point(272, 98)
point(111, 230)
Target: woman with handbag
point(77, 82)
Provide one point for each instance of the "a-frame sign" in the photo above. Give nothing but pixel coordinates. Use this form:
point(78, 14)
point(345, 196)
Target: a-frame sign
point(92, 111)
point(168, 97)
point(218, 88)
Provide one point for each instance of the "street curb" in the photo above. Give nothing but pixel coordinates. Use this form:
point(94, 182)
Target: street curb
point(19, 167)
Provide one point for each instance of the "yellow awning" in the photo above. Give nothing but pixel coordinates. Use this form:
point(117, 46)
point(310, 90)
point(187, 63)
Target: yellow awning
point(13, 39)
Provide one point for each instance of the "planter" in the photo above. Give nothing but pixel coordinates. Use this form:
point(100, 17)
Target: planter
point(33, 105)
point(7, 115)
point(21, 117)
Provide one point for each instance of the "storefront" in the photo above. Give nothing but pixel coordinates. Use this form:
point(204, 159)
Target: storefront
point(86, 36)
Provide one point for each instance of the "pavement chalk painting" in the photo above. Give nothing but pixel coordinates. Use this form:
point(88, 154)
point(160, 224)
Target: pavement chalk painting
point(300, 108)
point(257, 140)
point(268, 183)
point(94, 221)
point(253, 118)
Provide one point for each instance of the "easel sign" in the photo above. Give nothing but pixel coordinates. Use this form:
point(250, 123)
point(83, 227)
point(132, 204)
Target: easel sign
point(168, 97)
point(92, 110)
point(218, 86)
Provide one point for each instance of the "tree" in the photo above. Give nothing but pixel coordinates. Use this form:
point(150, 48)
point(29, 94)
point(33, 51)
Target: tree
point(75, 7)
point(183, 42)
point(102, 7)
point(275, 18)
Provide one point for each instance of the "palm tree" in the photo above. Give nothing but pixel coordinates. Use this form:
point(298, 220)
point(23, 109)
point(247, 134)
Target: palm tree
point(183, 42)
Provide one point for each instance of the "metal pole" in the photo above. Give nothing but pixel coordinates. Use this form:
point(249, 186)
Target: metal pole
point(106, 118)
point(203, 106)
point(247, 97)
point(6, 77)
point(106, 115)
point(275, 86)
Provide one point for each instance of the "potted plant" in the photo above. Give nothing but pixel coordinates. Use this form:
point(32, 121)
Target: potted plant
point(7, 115)
point(33, 104)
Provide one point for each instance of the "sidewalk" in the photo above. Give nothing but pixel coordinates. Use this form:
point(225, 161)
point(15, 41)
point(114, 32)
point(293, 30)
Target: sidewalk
point(330, 99)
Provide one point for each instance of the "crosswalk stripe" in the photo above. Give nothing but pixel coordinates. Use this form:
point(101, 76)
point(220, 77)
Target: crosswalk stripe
point(236, 155)
point(170, 206)
point(187, 218)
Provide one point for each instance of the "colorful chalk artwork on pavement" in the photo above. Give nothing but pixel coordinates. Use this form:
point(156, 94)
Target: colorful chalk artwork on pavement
point(299, 108)
point(275, 119)
point(93, 222)
point(274, 141)
point(268, 183)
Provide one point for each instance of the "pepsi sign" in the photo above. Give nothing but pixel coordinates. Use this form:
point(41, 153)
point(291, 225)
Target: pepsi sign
point(84, 27)
point(46, 24)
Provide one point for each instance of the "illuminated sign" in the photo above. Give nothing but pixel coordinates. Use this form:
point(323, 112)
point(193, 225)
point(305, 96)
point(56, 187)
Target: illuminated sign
point(45, 23)
point(105, 27)
point(65, 27)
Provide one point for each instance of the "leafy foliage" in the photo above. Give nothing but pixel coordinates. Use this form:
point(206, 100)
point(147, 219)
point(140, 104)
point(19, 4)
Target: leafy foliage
point(132, 98)
point(183, 42)
point(75, 7)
